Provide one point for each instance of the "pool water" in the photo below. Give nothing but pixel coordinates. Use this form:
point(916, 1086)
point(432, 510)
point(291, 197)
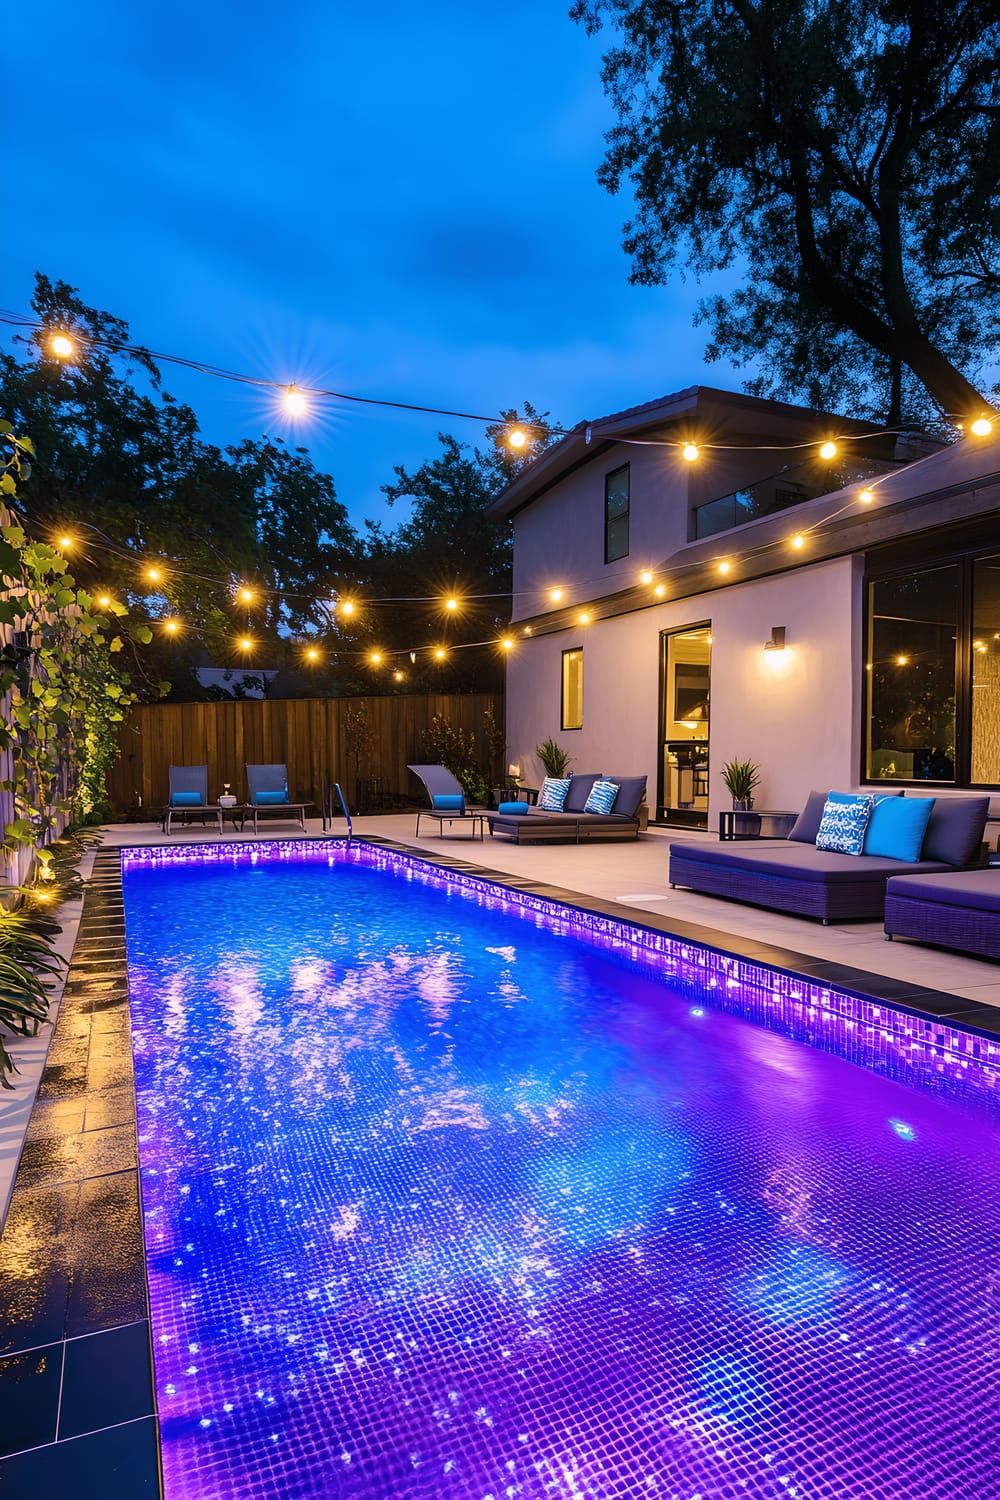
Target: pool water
point(448, 1193)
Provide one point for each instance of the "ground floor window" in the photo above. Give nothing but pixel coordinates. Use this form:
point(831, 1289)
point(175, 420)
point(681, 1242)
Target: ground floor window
point(933, 674)
point(572, 689)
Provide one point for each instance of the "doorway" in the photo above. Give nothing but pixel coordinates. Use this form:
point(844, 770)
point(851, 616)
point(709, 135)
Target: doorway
point(685, 691)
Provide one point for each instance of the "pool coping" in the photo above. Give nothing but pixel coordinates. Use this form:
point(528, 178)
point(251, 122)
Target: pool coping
point(84, 1420)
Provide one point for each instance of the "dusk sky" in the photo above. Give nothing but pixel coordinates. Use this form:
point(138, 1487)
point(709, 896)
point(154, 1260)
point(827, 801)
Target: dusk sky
point(391, 201)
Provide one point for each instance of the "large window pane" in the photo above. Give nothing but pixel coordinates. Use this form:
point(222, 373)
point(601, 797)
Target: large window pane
point(986, 670)
point(912, 633)
point(616, 507)
point(572, 689)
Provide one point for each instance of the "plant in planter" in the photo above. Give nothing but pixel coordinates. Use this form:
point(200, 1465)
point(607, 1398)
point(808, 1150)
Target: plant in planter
point(742, 777)
point(553, 757)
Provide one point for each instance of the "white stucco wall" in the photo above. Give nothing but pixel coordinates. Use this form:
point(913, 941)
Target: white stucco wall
point(796, 713)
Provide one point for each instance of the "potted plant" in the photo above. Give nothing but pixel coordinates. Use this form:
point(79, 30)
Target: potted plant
point(553, 758)
point(742, 777)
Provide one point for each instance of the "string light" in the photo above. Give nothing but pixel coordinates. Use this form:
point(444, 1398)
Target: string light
point(440, 654)
point(375, 659)
point(345, 607)
point(555, 595)
point(902, 661)
point(62, 346)
point(646, 577)
point(798, 541)
point(507, 643)
point(104, 601)
point(660, 590)
point(170, 626)
point(294, 401)
point(690, 452)
point(154, 575)
point(451, 604)
point(583, 619)
point(398, 676)
point(828, 450)
point(724, 567)
point(246, 595)
point(516, 438)
point(982, 427)
point(866, 497)
point(246, 644)
point(65, 542)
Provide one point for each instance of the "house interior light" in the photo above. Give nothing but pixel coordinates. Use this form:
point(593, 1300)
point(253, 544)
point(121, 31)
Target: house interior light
point(777, 641)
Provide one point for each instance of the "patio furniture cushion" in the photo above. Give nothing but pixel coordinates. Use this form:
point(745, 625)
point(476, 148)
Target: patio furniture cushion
point(844, 821)
point(631, 790)
point(513, 809)
point(186, 799)
point(267, 799)
point(806, 826)
point(797, 861)
point(580, 787)
point(897, 826)
point(955, 829)
point(552, 797)
point(448, 802)
point(975, 889)
point(602, 796)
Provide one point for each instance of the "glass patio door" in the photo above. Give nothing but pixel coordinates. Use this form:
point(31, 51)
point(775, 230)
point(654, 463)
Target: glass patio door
point(685, 689)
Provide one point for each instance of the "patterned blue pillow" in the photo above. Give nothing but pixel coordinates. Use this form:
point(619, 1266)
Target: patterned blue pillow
point(553, 793)
point(602, 796)
point(842, 826)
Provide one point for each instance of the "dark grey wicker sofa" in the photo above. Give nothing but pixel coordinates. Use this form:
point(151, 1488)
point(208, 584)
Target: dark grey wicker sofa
point(957, 910)
point(792, 875)
point(573, 825)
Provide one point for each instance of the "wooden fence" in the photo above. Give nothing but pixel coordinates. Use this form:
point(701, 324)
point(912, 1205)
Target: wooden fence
point(364, 743)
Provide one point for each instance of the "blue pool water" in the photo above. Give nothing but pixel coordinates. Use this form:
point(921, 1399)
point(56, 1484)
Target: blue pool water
point(450, 1192)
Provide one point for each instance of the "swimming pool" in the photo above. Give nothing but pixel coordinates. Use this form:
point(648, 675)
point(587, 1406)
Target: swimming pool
point(452, 1191)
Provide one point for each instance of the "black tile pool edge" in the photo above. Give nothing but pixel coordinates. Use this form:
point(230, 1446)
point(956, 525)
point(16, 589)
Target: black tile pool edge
point(75, 1356)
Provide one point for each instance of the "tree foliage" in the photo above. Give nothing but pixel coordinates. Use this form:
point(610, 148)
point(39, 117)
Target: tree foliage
point(848, 152)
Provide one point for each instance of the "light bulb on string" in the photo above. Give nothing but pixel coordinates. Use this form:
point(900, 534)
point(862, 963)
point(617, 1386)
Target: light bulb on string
point(440, 654)
point(517, 438)
point(645, 576)
point(246, 595)
point(104, 601)
point(866, 497)
point(62, 346)
point(828, 450)
point(982, 427)
point(451, 605)
point(312, 654)
point(375, 659)
point(690, 453)
point(798, 541)
point(660, 590)
point(555, 595)
point(583, 619)
point(153, 574)
point(398, 676)
point(64, 543)
point(724, 567)
point(345, 607)
point(245, 643)
point(171, 626)
point(507, 643)
point(294, 401)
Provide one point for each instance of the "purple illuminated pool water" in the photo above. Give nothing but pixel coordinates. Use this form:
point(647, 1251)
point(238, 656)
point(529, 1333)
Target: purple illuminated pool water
point(450, 1192)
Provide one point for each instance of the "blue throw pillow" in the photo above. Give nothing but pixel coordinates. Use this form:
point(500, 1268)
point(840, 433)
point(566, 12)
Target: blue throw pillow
point(265, 799)
point(512, 809)
point(897, 826)
point(842, 826)
point(553, 793)
point(186, 799)
point(602, 796)
point(449, 802)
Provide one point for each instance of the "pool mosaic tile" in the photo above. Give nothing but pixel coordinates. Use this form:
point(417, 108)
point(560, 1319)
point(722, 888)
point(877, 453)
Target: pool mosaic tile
point(455, 1192)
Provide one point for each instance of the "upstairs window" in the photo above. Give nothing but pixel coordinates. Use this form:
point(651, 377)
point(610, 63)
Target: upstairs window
point(616, 487)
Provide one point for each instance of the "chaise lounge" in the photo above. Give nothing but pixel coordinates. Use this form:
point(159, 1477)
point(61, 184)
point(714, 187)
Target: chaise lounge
point(573, 823)
point(793, 875)
point(956, 910)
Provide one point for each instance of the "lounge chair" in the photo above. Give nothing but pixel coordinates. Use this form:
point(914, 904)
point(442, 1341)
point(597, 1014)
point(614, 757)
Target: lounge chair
point(447, 800)
point(269, 793)
point(188, 798)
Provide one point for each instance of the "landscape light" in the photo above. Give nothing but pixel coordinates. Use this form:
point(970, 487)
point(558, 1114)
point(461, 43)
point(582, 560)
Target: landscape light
point(828, 450)
point(690, 452)
point(61, 346)
point(295, 403)
point(982, 427)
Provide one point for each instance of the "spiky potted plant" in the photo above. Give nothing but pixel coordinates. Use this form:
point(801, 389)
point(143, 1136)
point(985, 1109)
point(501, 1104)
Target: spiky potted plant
point(741, 777)
point(553, 757)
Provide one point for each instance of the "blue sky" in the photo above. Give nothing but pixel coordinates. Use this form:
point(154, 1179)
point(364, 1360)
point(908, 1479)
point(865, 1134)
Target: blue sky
point(392, 201)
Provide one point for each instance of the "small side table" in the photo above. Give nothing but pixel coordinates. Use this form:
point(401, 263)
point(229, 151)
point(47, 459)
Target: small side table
point(749, 824)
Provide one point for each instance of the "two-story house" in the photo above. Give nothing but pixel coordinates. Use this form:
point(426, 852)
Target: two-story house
point(704, 578)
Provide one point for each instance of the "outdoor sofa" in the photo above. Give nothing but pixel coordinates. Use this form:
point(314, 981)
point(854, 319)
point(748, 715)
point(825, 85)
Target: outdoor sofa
point(527, 825)
point(792, 875)
point(960, 909)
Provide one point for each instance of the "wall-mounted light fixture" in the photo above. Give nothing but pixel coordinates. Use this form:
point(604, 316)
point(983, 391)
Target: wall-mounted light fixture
point(777, 641)
point(514, 772)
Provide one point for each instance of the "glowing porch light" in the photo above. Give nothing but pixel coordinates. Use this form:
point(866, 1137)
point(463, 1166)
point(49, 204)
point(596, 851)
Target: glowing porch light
point(294, 402)
point(828, 450)
point(982, 427)
point(690, 452)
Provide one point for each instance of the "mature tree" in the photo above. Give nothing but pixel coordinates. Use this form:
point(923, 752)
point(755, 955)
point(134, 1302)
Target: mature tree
point(849, 152)
point(449, 547)
point(122, 468)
